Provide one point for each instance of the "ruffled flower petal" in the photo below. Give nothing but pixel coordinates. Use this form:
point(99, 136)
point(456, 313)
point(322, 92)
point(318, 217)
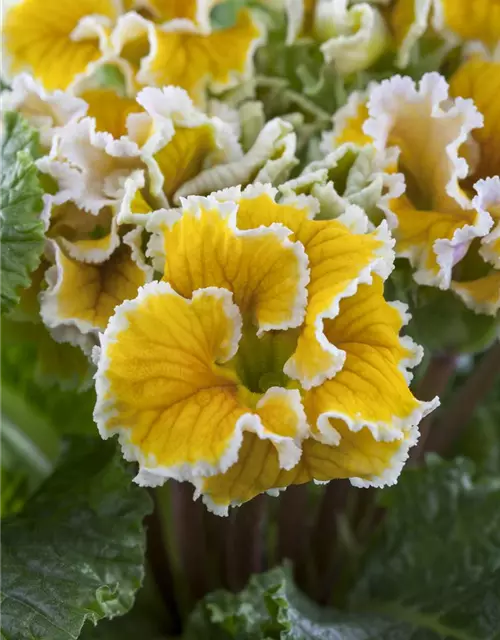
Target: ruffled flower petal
point(481, 295)
point(353, 37)
point(57, 40)
point(83, 296)
point(182, 55)
point(487, 201)
point(463, 20)
point(109, 110)
point(339, 261)
point(479, 79)
point(437, 221)
point(371, 390)
point(163, 386)
point(197, 11)
point(348, 123)
point(270, 159)
point(47, 112)
point(85, 237)
point(90, 166)
point(177, 140)
point(358, 456)
point(409, 20)
point(203, 246)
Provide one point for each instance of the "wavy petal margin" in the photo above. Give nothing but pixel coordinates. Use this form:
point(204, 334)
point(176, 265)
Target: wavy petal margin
point(163, 387)
point(437, 221)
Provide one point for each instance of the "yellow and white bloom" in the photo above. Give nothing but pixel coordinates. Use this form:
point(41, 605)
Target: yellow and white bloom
point(81, 295)
point(457, 21)
point(153, 43)
point(436, 219)
point(353, 37)
point(47, 112)
point(270, 159)
point(267, 355)
point(59, 41)
point(177, 141)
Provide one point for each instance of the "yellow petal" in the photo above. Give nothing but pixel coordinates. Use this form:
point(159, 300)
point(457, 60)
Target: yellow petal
point(267, 273)
point(197, 11)
point(193, 60)
point(85, 295)
point(178, 140)
point(470, 21)
point(90, 167)
point(42, 36)
point(184, 156)
point(348, 123)
point(372, 388)
point(162, 385)
point(409, 20)
point(481, 295)
point(434, 241)
point(488, 201)
point(134, 206)
point(339, 260)
point(270, 160)
point(45, 111)
point(85, 237)
point(358, 457)
point(437, 222)
point(480, 80)
point(110, 110)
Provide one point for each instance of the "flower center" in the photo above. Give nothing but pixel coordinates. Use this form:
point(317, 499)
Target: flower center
point(259, 362)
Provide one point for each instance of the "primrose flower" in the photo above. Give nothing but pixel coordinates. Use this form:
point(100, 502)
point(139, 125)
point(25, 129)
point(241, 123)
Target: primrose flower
point(458, 21)
point(153, 43)
point(478, 283)
point(266, 356)
point(352, 37)
point(435, 220)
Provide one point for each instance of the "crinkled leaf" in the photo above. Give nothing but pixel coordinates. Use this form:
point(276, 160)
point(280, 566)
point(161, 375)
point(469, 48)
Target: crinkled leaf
point(433, 573)
point(76, 551)
point(270, 607)
point(435, 567)
point(21, 230)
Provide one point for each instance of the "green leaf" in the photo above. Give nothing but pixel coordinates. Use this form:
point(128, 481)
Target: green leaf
point(270, 607)
point(21, 230)
point(435, 567)
point(76, 552)
point(47, 377)
point(433, 573)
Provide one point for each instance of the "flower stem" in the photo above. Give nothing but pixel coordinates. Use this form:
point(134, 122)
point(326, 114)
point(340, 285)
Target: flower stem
point(465, 401)
point(293, 530)
point(161, 569)
point(324, 536)
point(435, 381)
point(245, 553)
point(190, 540)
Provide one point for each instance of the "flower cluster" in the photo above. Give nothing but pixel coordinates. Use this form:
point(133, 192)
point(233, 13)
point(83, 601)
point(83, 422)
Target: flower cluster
point(222, 262)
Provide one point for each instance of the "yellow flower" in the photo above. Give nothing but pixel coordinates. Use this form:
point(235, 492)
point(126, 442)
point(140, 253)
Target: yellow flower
point(46, 112)
point(352, 37)
point(154, 43)
point(436, 220)
point(58, 40)
point(477, 281)
point(463, 20)
point(479, 79)
point(267, 356)
point(457, 21)
point(181, 53)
